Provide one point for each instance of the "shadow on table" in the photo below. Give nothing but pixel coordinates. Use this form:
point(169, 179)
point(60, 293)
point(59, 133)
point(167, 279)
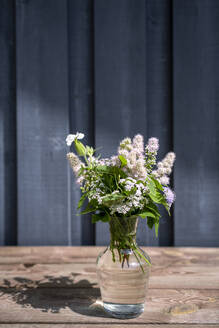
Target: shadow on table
point(52, 294)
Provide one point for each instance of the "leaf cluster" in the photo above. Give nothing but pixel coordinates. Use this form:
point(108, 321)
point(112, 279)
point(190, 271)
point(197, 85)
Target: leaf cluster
point(114, 192)
point(156, 197)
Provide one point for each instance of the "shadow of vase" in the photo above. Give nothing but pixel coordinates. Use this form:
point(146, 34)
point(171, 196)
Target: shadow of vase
point(51, 294)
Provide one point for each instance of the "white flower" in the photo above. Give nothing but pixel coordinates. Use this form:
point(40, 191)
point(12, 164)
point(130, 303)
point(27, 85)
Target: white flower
point(79, 135)
point(75, 162)
point(80, 180)
point(164, 180)
point(161, 171)
point(128, 187)
point(114, 161)
point(164, 168)
point(132, 158)
point(155, 174)
point(153, 145)
point(168, 170)
point(138, 192)
point(126, 144)
point(123, 152)
point(138, 144)
point(71, 137)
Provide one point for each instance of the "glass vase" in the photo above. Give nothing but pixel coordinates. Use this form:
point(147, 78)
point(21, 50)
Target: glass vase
point(123, 271)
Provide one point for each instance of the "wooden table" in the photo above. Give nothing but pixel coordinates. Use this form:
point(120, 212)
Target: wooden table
point(44, 286)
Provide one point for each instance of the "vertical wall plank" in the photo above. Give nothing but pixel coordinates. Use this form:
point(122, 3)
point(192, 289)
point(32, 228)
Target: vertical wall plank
point(196, 121)
point(8, 187)
point(80, 33)
point(120, 104)
point(159, 93)
point(42, 122)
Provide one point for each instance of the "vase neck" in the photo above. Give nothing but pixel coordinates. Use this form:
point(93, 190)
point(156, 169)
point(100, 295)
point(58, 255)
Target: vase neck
point(123, 231)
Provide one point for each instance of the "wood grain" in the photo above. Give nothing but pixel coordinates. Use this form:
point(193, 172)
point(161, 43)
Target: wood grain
point(196, 98)
point(172, 268)
point(158, 97)
point(58, 285)
point(8, 177)
point(160, 256)
point(106, 325)
point(42, 123)
point(174, 276)
point(78, 305)
point(81, 102)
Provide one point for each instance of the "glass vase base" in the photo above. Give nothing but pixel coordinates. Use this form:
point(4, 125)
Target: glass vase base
point(123, 311)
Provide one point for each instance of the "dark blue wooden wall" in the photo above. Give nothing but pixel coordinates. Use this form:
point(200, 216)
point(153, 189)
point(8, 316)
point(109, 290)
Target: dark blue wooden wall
point(110, 69)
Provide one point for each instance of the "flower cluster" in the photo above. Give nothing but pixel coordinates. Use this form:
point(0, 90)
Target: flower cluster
point(169, 195)
point(76, 165)
point(135, 197)
point(125, 184)
point(133, 152)
point(151, 150)
point(164, 168)
point(152, 146)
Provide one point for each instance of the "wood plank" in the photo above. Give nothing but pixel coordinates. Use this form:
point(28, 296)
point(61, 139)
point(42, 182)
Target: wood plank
point(47, 305)
point(119, 81)
point(106, 325)
point(68, 292)
point(62, 275)
point(81, 102)
point(158, 95)
point(163, 256)
point(8, 179)
point(196, 120)
point(42, 122)
point(172, 268)
point(47, 254)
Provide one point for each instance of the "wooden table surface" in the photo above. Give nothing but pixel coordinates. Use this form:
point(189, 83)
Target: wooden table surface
point(47, 286)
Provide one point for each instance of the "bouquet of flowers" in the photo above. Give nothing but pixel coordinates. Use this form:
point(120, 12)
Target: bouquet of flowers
point(128, 185)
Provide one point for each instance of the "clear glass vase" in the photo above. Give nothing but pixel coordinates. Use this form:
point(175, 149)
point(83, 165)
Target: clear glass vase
point(123, 271)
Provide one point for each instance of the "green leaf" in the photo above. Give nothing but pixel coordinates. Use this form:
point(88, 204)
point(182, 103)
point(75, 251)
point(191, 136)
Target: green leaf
point(104, 217)
point(143, 215)
point(112, 198)
point(95, 218)
point(150, 222)
point(118, 172)
point(142, 256)
point(81, 201)
point(102, 168)
point(99, 217)
point(155, 190)
point(90, 208)
point(89, 151)
point(152, 186)
point(157, 183)
point(157, 198)
point(164, 203)
point(156, 225)
point(153, 208)
point(122, 160)
point(81, 150)
point(166, 207)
